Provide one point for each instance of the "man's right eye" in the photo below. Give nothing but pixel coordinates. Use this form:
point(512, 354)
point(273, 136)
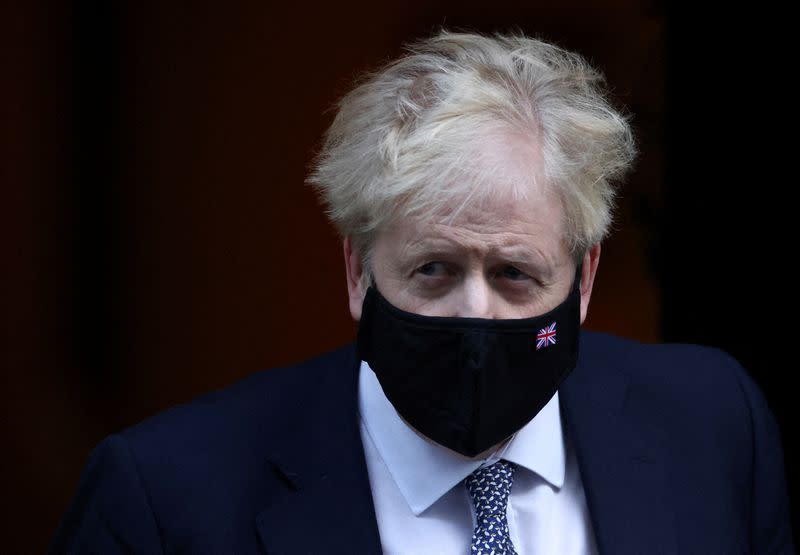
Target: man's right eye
point(431, 269)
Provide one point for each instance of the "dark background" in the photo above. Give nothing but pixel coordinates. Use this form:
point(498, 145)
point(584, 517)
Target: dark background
point(158, 241)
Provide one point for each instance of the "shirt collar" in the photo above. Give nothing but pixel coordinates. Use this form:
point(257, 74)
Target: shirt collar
point(424, 470)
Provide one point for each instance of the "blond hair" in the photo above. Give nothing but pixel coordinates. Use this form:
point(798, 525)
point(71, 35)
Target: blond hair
point(406, 141)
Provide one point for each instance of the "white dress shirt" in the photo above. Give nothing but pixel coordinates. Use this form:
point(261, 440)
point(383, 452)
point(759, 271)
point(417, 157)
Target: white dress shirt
point(423, 507)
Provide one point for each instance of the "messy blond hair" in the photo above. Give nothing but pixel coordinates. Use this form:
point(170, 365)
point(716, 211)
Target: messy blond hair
point(406, 141)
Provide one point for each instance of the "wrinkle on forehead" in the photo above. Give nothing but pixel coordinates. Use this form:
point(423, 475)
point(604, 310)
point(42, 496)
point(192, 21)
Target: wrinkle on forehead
point(501, 219)
point(501, 227)
point(480, 242)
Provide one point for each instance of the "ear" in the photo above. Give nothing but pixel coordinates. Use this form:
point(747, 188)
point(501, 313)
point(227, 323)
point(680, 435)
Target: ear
point(355, 285)
point(590, 261)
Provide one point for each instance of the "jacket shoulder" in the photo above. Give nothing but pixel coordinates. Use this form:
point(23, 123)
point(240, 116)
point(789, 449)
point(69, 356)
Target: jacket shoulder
point(701, 389)
point(711, 420)
point(681, 366)
point(184, 479)
point(251, 405)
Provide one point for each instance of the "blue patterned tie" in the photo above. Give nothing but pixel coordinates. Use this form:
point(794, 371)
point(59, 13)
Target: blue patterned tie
point(488, 488)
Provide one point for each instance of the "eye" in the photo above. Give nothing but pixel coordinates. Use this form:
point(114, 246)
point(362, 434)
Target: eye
point(431, 269)
point(514, 274)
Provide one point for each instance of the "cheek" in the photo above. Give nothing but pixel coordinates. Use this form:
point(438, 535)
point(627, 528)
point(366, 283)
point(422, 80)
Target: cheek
point(394, 289)
point(405, 297)
point(471, 298)
point(539, 301)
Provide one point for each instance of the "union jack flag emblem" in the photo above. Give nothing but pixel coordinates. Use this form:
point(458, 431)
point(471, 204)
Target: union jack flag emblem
point(546, 336)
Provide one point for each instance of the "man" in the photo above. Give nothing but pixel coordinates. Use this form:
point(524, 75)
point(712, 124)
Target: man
point(472, 182)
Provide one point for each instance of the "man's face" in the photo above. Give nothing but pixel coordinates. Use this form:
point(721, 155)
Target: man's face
point(504, 259)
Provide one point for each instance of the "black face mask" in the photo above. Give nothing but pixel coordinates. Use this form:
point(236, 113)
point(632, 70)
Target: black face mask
point(468, 383)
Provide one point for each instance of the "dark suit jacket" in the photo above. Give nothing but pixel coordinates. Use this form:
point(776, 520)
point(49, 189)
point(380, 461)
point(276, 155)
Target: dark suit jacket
point(677, 450)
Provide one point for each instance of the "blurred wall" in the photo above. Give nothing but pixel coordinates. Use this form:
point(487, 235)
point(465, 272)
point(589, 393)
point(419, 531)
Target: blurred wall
point(159, 242)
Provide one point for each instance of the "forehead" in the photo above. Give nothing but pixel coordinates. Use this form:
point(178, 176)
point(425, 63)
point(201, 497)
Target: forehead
point(505, 223)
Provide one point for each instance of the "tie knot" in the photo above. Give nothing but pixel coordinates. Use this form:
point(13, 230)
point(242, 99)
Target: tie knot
point(489, 487)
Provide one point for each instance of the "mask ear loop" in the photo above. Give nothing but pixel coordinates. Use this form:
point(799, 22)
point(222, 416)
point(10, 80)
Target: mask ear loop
point(373, 285)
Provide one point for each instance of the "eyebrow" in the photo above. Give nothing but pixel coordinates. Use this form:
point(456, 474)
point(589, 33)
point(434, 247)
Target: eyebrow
point(514, 254)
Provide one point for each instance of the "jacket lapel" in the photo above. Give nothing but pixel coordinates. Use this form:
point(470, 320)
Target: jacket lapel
point(319, 493)
point(618, 454)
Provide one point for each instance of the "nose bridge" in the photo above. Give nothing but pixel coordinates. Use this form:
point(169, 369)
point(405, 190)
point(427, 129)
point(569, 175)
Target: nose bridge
point(476, 297)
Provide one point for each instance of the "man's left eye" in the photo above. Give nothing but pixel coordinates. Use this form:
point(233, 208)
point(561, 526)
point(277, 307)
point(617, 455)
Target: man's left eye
point(510, 272)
